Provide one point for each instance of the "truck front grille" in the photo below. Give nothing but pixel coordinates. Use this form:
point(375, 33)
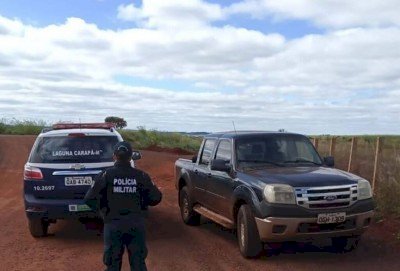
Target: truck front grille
point(326, 196)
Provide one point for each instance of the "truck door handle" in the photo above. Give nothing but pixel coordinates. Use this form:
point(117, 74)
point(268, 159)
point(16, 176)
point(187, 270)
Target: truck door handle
point(196, 171)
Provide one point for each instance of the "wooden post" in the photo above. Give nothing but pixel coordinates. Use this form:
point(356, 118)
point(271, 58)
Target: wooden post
point(376, 164)
point(332, 146)
point(353, 149)
point(315, 142)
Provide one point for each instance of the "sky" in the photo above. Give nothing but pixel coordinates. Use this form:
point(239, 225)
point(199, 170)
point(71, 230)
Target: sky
point(312, 67)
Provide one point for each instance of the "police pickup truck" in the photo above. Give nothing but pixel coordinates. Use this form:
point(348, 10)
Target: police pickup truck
point(61, 168)
point(273, 187)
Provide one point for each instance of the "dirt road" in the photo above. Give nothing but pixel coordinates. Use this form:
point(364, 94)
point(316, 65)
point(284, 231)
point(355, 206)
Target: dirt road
point(172, 245)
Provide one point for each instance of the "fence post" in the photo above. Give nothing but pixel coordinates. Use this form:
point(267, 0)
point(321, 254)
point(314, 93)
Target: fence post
point(332, 146)
point(376, 163)
point(353, 149)
point(315, 142)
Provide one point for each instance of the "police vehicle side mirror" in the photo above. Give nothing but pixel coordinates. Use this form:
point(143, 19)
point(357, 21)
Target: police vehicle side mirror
point(136, 155)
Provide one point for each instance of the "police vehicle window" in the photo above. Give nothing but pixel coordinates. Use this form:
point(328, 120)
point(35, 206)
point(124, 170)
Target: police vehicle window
point(66, 149)
point(207, 151)
point(224, 151)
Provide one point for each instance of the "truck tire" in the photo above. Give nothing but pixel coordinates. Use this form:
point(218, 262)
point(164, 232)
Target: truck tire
point(250, 244)
point(345, 244)
point(38, 227)
point(189, 216)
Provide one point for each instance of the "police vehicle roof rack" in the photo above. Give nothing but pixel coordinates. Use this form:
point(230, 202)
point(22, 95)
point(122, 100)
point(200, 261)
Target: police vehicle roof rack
point(104, 125)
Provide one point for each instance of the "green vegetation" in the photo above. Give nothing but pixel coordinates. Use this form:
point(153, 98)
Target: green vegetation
point(389, 139)
point(17, 127)
point(142, 139)
point(120, 123)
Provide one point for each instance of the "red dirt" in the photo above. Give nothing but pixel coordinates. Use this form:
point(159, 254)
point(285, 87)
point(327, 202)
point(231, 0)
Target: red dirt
point(172, 245)
point(169, 150)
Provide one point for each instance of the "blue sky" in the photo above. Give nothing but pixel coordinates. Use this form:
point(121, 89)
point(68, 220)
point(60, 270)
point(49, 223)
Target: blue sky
point(315, 67)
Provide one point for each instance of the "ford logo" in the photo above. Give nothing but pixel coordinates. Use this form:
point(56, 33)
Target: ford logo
point(330, 198)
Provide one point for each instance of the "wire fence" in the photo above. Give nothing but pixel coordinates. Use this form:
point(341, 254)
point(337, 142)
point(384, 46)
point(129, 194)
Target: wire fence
point(376, 159)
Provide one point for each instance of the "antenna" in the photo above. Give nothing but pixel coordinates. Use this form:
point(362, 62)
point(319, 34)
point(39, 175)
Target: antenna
point(234, 127)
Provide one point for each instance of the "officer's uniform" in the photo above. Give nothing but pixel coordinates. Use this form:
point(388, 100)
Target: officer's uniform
point(120, 194)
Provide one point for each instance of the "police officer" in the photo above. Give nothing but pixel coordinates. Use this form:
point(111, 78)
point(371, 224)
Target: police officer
point(120, 194)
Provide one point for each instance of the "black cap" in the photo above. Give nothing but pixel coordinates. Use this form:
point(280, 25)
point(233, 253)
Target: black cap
point(123, 150)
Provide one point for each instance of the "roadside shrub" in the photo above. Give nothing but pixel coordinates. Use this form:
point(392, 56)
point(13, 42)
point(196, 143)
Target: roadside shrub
point(17, 127)
point(142, 138)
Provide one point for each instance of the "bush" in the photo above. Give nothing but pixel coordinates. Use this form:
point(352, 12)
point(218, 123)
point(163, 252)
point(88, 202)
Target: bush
point(142, 139)
point(25, 127)
point(119, 122)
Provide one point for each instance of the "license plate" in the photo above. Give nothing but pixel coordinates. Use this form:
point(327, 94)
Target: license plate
point(78, 207)
point(330, 218)
point(73, 181)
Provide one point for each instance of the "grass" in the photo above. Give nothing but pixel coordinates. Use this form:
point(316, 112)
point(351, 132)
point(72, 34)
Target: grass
point(17, 127)
point(387, 186)
point(142, 139)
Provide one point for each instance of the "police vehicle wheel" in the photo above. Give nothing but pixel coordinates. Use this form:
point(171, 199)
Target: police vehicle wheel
point(345, 244)
point(189, 216)
point(250, 245)
point(38, 227)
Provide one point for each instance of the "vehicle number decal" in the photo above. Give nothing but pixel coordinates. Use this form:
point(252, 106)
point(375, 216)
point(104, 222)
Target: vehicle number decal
point(73, 181)
point(43, 187)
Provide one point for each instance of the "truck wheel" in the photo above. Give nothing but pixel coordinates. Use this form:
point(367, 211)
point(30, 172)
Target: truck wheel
point(189, 216)
point(38, 227)
point(345, 244)
point(250, 244)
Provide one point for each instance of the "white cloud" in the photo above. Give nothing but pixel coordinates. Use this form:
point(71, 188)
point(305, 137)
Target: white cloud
point(333, 13)
point(343, 81)
point(171, 13)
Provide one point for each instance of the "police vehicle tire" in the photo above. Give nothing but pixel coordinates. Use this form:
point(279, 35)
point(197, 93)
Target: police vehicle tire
point(345, 244)
point(38, 227)
point(189, 216)
point(250, 245)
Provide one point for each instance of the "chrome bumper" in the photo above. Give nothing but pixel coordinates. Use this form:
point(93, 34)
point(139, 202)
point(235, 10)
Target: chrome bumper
point(278, 229)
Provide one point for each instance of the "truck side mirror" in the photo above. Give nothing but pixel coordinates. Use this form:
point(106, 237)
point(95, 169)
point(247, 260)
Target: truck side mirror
point(220, 165)
point(194, 159)
point(136, 155)
point(329, 161)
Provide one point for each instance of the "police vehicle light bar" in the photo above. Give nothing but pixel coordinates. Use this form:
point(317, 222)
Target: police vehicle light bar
point(105, 125)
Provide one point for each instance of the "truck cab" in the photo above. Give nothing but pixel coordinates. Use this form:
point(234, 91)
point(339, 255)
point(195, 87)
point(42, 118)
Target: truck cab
point(273, 187)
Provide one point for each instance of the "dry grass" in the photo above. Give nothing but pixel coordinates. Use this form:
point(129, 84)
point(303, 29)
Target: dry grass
point(387, 186)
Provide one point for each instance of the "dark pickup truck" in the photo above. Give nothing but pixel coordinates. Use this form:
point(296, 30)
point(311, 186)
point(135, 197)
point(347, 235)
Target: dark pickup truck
point(273, 187)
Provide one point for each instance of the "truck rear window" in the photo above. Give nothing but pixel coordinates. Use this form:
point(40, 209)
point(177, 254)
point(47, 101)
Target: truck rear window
point(65, 149)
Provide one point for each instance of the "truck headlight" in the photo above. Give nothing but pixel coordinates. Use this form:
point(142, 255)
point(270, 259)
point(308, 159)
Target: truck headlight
point(279, 193)
point(364, 189)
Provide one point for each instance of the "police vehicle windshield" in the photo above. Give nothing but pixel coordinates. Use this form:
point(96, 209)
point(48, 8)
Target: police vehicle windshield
point(67, 149)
